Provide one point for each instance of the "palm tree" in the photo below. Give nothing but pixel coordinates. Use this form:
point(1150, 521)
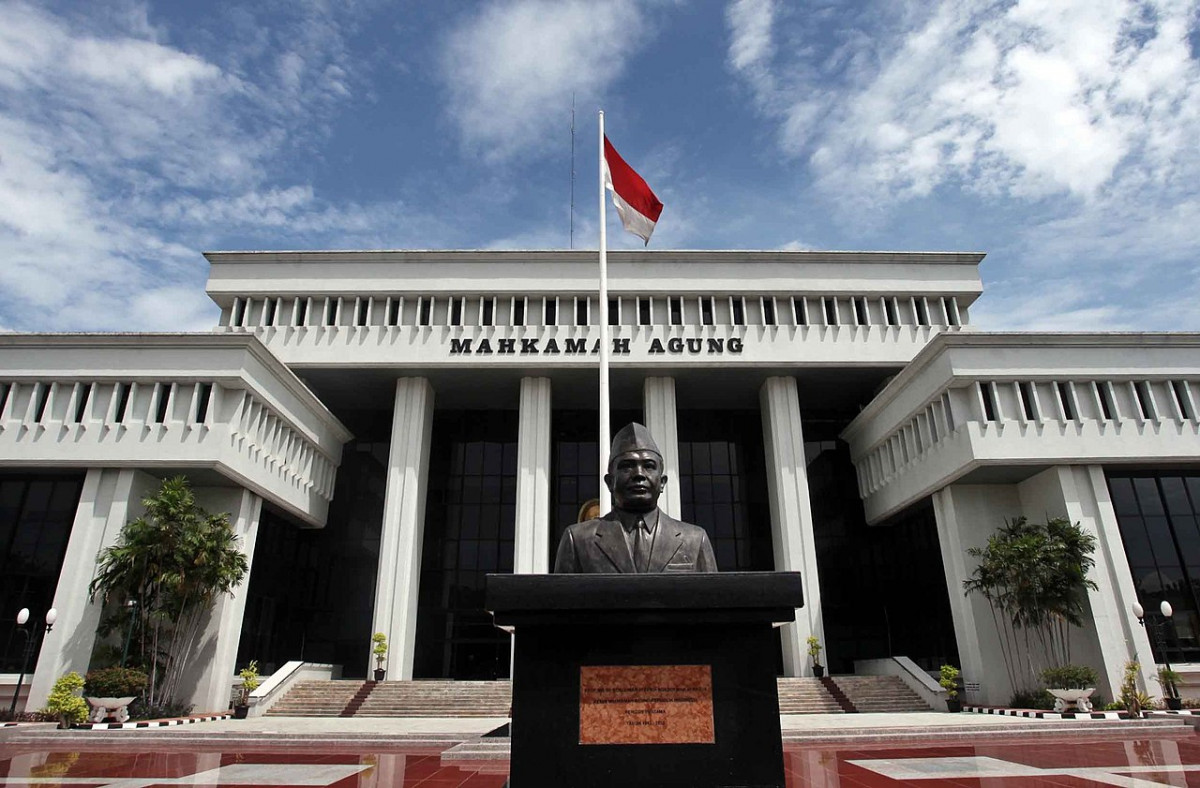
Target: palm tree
point(173, 562)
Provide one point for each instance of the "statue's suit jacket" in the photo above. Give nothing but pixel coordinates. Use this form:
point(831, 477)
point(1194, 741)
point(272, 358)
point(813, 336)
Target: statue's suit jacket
point(599, 546)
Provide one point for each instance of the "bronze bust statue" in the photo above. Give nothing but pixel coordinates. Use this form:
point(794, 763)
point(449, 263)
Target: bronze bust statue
point(636, 536)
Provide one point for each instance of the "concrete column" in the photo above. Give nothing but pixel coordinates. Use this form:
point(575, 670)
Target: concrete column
point(658, 403)
point(1080, 494)
point(791, 515)
point(533, 479)
point(962, 608)
point(399, 573)
point(210, 670)
point(110, 498)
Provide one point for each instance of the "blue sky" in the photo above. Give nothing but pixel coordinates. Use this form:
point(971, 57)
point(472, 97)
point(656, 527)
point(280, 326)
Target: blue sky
point(1059, 136)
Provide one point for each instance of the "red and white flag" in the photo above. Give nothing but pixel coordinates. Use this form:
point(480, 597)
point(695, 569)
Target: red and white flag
point(636, 204)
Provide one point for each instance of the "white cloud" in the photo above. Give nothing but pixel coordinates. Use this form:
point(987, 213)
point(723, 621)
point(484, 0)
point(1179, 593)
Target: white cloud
point(512, 68)
point(750, 46)
point(121, 153)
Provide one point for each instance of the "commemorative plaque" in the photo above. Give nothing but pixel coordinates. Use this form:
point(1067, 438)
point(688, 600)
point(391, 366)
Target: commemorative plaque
point(646, 704)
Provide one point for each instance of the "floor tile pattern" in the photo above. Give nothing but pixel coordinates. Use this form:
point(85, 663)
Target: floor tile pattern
point(1047, 761)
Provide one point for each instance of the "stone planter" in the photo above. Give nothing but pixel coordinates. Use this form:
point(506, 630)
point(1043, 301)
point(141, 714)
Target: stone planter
point(1063, 698)
point(103, 708)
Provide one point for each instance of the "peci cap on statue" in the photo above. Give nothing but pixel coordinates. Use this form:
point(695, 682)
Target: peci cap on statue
point(632, 437)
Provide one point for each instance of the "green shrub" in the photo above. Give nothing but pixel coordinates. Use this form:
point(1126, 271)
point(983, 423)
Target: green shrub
point(814, 649)
point(250, 682)
point(1070, 677)
point(1038, 699)
point(64, 703)
point(115, 683)
point(949, 680)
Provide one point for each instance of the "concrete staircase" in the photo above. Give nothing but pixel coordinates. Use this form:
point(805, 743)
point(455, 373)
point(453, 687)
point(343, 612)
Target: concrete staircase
point(880, 694)
point(437, 698)
point(805, 696)
point(316, 699)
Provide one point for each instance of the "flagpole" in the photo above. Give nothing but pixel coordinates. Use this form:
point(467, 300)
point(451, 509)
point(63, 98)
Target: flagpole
point(605, 427)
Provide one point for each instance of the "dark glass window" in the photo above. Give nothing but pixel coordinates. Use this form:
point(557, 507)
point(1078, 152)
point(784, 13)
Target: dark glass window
point(1159, 518)
point(989, 400)
point(470, 517)
point(1068, 401)
point(36, 514)
point(643, 307)
point(312, 590)
point(831, 317)
point(575, 465)
point(889, 312)
point(798, 311)
point(922, 312)
point(723, 486)
point(883, 587)
point(676, 306)
point(768, 309)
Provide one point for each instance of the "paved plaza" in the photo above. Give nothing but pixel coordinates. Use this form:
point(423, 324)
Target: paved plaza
point(931, 750)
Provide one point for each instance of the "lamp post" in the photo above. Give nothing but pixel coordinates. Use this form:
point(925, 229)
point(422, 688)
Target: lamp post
point(1156, 635)
point(30, 644)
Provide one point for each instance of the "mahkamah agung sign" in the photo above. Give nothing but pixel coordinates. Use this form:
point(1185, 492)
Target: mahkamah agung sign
point(620, 347)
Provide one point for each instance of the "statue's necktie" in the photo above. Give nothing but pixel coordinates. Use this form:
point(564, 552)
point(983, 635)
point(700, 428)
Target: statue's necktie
point(641, 547)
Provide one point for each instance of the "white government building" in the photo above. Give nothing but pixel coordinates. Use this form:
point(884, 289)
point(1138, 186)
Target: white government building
point(387, 427)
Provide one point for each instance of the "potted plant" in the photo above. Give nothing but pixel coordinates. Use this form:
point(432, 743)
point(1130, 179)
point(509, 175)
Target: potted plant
point(64, 701)
point(949, 682)
point(814, 651)
point(250, 682)
point(1169, 679)
point(1070, 684)
point(109, 691)
point(380, 650)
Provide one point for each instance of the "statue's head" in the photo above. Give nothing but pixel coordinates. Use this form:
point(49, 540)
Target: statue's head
point(635, 470)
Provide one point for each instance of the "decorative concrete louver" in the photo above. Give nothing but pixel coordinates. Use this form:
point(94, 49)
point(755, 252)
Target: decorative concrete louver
point(957, 410)
point(126, 401)
point(429, 309)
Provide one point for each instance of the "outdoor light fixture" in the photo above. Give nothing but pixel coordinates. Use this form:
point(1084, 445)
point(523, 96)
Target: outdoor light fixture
point(30, 644)
point(1156, 631)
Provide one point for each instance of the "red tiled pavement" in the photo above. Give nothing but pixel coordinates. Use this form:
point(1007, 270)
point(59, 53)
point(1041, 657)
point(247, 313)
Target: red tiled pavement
point(1044, 762)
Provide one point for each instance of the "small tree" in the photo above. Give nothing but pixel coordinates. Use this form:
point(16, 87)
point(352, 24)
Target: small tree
point(1034, 577)
point(174, 561)
point(64, 702)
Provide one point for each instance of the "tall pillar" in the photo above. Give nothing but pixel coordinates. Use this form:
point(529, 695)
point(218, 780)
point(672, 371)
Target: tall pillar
point(967, 631)
point(658, 403)
point(399, 575)
point(209, 672)
point(533, 479)
point(791, 514)
point(1080, 494)
point(109, 499)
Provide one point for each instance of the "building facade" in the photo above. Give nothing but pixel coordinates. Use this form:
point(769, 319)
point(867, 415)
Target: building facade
point(387, 428)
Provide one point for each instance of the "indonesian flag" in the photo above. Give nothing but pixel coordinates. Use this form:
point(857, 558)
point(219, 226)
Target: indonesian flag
point(635, 202)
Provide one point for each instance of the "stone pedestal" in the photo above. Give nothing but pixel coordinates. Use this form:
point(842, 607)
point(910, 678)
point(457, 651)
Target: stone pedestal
point(645, 680)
